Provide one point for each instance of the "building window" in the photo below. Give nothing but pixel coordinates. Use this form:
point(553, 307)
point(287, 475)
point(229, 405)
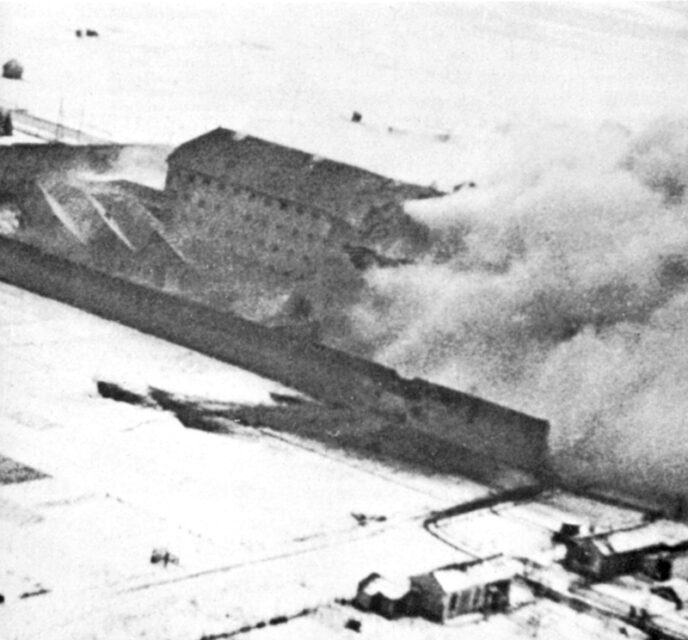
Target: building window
point(453, 602)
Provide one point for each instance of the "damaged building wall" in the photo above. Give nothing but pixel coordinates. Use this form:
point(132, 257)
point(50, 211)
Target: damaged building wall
point(236, 196)
point(216, 221)
point(22, 163)
point(473, 424)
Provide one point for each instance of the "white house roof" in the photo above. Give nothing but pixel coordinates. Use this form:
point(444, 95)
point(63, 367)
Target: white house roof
point(389, 589)
point(659, 533)
point(455, 579)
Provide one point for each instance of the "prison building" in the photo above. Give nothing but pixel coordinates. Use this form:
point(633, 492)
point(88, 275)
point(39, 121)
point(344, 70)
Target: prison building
point(603, 557)
point(482, 587)
point(271, 205)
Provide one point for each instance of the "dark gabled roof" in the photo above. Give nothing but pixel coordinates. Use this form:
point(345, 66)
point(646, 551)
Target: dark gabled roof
point(289, 173)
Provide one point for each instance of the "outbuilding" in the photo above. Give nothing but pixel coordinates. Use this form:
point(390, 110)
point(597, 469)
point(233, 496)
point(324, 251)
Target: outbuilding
point(380, 595)
point(482, 587)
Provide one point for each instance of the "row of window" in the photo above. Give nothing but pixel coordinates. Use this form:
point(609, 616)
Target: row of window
point(189, 179)
point(309, 235)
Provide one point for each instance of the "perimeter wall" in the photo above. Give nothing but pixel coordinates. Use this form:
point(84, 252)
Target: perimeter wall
point(490, 430)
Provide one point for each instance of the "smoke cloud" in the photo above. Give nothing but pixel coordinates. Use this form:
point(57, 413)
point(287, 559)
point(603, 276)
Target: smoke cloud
point(559, 286)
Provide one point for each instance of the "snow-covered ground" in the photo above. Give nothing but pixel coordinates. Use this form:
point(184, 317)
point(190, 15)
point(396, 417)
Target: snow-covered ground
point(164, 72)
point(125, 480)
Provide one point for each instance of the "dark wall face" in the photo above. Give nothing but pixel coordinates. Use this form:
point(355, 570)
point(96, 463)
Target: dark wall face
point(25, 163)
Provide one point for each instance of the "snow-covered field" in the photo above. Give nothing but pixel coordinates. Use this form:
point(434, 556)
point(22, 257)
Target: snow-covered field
point(164, 72)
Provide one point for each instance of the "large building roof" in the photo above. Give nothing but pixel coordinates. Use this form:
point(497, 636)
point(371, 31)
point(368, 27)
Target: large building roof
point(296, 175)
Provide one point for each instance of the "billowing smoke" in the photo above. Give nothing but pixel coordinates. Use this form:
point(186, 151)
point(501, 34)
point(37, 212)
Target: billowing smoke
point(559, 286)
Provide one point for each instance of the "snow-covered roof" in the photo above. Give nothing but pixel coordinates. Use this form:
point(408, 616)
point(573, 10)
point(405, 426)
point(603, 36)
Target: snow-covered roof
point(661, 533)
point(375, 584)
point(455, 579)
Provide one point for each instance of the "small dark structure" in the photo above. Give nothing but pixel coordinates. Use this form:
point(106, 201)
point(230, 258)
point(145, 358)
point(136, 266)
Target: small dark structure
point(382, 596)
point(455, 590)
point(163, 557)
point(657, 566)
point(6, 126)
point(602, 557)
point(12, 69)
point(78, 33)
point(675, 591)
point(91, 33)
point(353, 625)
point(356, 116)
point(665, 565)
point(567, 532)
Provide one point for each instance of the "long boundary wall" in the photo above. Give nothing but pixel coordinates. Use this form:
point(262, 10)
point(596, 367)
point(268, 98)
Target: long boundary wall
point(508, 436)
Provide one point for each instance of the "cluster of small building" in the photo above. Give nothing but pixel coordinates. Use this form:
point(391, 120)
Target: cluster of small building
point(639, 574)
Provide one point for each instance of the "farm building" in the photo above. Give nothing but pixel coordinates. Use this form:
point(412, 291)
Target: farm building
point(380, 595)
point(603, 557)
point(275, 207)
point(456, 590)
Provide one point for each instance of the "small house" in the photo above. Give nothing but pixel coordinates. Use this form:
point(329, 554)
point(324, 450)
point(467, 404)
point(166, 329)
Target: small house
point(380, 595)
point(481, 587)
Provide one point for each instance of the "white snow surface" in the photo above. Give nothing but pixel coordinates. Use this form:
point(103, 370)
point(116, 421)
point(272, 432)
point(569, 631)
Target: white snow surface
point(261, 523)
point(165, 72)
